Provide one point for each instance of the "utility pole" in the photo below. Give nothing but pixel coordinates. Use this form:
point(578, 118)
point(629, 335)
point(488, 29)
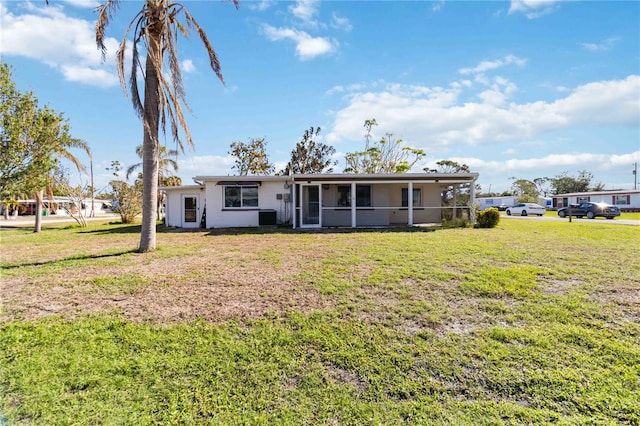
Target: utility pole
point(635, 175)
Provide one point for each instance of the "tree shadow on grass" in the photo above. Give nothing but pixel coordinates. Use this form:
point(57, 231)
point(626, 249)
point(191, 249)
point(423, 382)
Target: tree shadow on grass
point(68, 259)
point(129, 229)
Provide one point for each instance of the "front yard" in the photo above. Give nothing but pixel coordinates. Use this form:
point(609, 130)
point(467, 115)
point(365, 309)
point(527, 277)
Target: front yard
point(530, 322)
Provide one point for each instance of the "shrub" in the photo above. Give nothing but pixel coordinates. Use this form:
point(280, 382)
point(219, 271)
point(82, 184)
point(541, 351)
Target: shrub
point(487, 218)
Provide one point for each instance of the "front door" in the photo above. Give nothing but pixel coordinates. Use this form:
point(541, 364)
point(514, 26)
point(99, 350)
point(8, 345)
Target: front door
point(311, 198)
point(190, 211)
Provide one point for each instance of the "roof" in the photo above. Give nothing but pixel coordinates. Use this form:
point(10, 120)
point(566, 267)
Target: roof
point(349, 177)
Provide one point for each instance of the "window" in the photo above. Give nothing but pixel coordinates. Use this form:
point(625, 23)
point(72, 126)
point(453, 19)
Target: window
point(621, 200)
point(583, 199)
point(241, 196)
point(363, 196)
point(417, 197)
point(344, 196)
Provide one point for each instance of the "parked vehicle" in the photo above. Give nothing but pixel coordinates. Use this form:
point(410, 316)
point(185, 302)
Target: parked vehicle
point(590, 210)
point(525, 209)
point(503, 207)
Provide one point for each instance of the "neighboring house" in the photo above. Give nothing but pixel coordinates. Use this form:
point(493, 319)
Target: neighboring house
point(486, 202)
point(626, 200)
point(312, 201)
point(65, 205)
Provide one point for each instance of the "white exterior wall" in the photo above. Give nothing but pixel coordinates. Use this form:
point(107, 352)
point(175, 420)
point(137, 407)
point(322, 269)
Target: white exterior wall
point(173, 207)
point(220, 217)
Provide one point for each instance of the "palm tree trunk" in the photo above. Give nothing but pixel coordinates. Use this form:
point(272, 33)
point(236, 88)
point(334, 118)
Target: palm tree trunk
point(150, 142)
point(39, 197)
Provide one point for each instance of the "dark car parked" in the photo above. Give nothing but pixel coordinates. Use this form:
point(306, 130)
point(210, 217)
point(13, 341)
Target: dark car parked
point(590, 210)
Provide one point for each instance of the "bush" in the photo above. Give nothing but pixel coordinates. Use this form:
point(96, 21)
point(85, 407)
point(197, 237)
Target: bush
point(487, 218)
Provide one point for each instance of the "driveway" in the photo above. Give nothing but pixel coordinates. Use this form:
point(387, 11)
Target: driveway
point(575, 219)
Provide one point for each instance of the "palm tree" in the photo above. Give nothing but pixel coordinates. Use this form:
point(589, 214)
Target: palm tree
point(164, 163)
point(60, 150)
point(156, 26)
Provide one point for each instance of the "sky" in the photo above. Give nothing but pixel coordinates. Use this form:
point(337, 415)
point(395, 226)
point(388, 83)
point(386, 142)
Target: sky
point(514, 89)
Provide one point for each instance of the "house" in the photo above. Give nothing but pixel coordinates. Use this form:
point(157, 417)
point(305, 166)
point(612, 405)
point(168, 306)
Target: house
point(314, 200)
point(627, 200)
point(511, 200)
point(65, 206)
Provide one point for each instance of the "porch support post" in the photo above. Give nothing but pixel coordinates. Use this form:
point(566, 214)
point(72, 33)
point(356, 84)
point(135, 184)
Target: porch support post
point(353, 204)
point(472, 200)
point(410, 202)
point(294, 211)
point(455, 202)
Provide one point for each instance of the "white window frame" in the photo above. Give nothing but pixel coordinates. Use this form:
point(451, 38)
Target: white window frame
point(417, 197)
point(242, 206)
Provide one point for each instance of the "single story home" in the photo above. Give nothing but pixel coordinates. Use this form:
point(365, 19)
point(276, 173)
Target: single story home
point(510, 200)
point(314, 200)
point(63, 206)
point(627, 200)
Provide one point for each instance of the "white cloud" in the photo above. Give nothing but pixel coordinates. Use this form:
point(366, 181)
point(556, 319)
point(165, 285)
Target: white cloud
point(533, 8)
point(305, 10)
point(492, 65)
point(188, 66)
point(88, 4)
point(261, 6)
point(566, 161)
point(205, 165)
point(307, 47)
point(340, 22)
point(437, 6)
point(435, 117)
point(67, 44)
point(602, 46)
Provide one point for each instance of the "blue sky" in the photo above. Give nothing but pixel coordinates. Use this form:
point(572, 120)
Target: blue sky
point(513, 89)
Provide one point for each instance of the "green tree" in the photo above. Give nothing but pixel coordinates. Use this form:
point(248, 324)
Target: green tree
point(156, 27)
point(384, 156)
point(453, 195)
point(526, 190)
point(310, 156)
point(34, 140)
point(251, 158)
point(565, 184)
point(128, 197)
point(22, 160)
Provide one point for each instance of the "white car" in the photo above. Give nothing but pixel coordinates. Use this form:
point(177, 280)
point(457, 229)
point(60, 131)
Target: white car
point(525, 209)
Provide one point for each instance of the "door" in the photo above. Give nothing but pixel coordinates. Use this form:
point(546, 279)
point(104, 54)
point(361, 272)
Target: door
point(190, 211)
point(311, 206)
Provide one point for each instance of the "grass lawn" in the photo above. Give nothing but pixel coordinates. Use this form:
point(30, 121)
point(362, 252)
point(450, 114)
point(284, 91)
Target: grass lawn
point(530, 322)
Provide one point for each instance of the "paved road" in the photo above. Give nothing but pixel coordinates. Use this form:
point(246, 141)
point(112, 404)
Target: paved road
point(566, 219)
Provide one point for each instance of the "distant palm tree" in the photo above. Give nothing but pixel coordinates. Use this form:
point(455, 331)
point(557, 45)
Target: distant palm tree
point(156, 26)
point(61, 150)
point(164, 163)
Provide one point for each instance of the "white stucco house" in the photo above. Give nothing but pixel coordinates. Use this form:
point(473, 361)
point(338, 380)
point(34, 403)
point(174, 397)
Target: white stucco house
point(628, 200)
point(313, 200)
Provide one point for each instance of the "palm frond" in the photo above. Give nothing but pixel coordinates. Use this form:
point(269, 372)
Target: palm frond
point(105, 11)
point(214, 62)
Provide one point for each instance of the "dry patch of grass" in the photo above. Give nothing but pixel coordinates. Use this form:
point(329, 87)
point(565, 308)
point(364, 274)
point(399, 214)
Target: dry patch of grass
point(526, 323)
